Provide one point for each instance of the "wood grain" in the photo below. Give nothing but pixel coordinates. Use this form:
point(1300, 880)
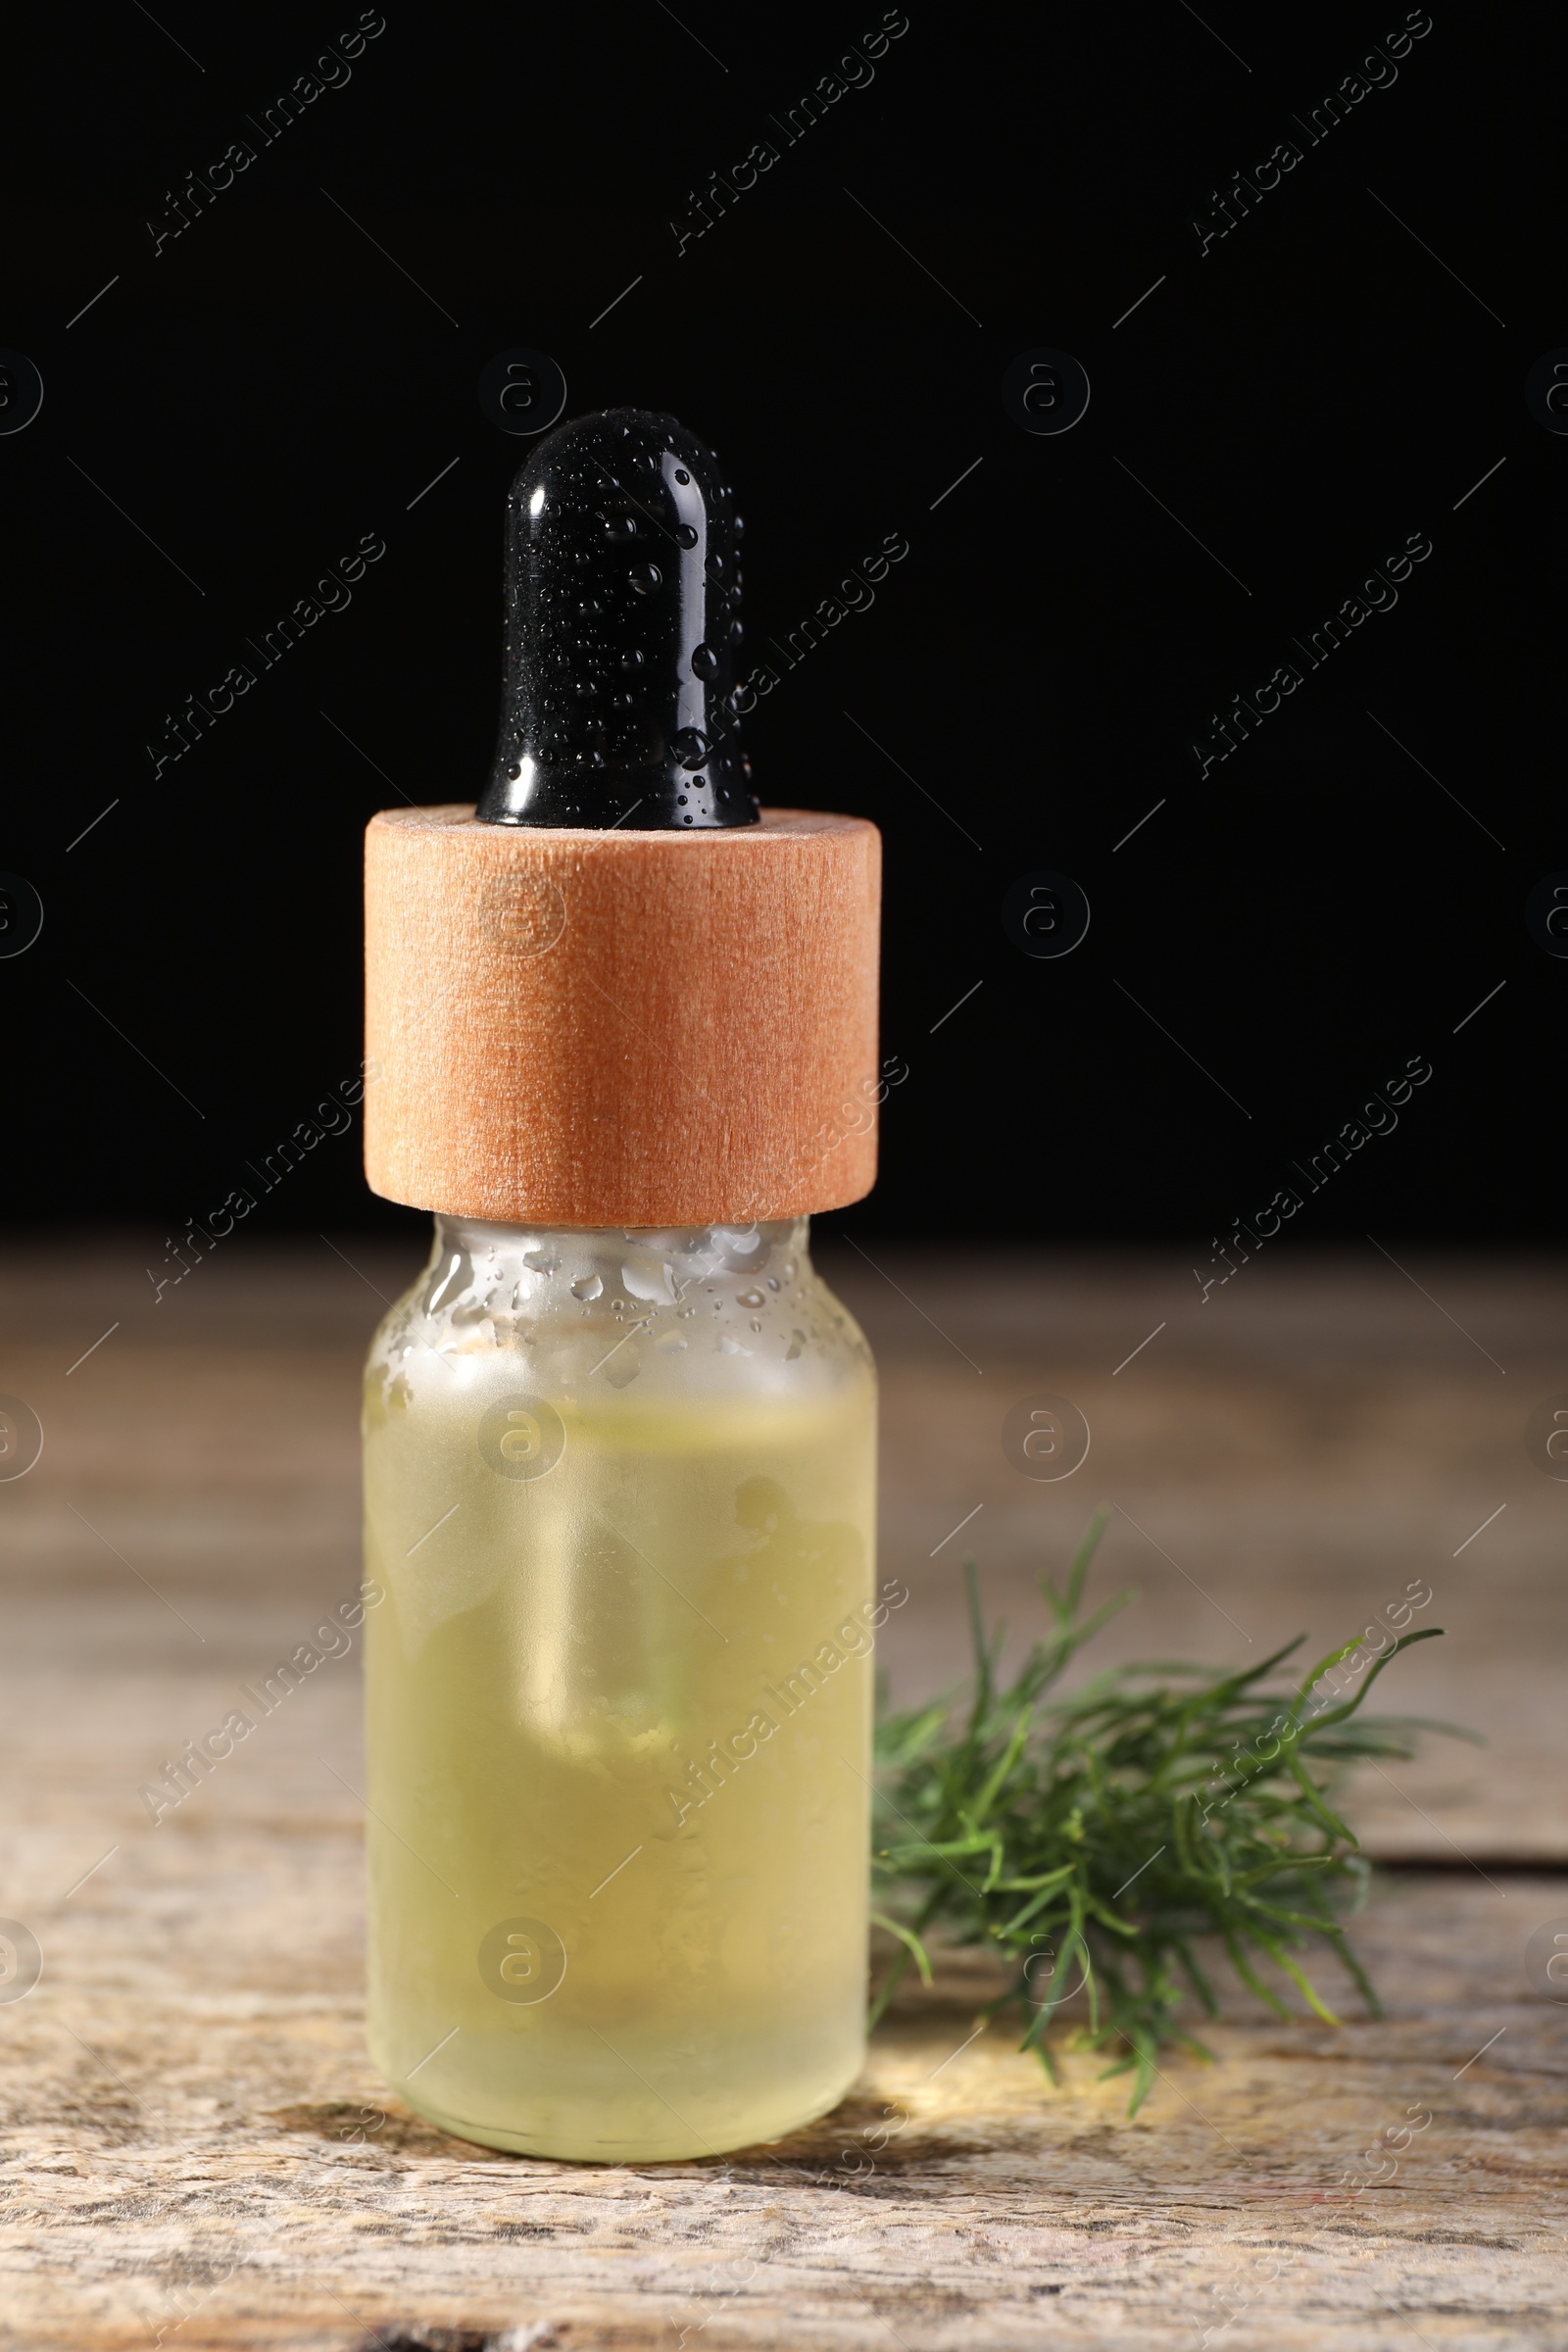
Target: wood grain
point(621, 1028)
point(195, 2142)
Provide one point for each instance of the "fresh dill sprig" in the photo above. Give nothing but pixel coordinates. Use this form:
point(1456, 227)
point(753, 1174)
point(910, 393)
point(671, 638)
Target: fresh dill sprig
point(1092, 1839)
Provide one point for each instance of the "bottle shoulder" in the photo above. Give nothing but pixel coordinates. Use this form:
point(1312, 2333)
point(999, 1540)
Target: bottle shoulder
point(692, 1318)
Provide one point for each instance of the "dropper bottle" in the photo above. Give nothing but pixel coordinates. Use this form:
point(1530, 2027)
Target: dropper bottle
point(619, 1438)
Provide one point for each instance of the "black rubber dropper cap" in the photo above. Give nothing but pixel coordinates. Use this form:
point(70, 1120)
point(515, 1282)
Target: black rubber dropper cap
point(622, 620)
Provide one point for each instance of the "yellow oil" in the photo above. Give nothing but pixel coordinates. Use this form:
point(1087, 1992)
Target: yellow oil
point(619, 1696)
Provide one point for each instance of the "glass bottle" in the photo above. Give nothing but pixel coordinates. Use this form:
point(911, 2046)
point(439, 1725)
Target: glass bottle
point(619, 1527)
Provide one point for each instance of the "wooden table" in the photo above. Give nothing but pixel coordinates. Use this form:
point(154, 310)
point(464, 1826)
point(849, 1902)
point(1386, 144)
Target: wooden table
point(197, 2147)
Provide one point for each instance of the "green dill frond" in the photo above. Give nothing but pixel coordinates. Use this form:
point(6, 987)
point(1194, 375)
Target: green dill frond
point(1089, 1840)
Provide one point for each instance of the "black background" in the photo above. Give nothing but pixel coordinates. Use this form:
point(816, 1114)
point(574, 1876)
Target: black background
point(1318, 386)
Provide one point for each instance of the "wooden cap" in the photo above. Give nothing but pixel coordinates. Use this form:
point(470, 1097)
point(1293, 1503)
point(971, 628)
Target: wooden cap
point(615, 1028)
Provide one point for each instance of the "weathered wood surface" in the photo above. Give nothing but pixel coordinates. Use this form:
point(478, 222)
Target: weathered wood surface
point(196, 2143)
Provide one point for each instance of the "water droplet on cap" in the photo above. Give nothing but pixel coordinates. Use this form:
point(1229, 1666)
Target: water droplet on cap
point(645, 578)
point(704, 662)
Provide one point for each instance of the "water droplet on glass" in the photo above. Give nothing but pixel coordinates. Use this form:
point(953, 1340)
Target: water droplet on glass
point(620, 526)
point(750, 1299)
point(631, 661)
point(645, 578)
point(704, 662)
point(690, 747)
point(682, 476)
point(650, 1279)
point(589, 1287)
point(685, 535)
